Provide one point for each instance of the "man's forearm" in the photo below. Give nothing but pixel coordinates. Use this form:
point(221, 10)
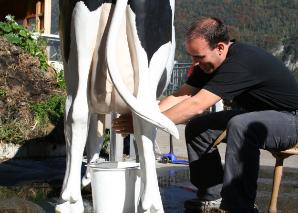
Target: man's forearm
point(183, 111)
point(170, 101)
point(192, 106)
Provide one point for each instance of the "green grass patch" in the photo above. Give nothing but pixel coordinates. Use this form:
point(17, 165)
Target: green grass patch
point(13, 131)
point(50, 111)
point(33, 192)
point(2, 92)
point(60, 80)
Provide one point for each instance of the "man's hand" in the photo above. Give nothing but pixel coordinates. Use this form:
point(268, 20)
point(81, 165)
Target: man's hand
point(123, 125)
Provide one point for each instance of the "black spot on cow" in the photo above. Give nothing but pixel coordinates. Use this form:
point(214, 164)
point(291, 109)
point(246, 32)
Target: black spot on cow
point(94, 4)
point(153, 20)
point(154, 23)
point(66, 8)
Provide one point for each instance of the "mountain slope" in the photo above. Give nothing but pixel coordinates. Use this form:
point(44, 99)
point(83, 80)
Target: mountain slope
point(265, 23)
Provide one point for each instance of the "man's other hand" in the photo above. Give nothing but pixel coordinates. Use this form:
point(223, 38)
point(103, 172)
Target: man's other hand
point(123, 124)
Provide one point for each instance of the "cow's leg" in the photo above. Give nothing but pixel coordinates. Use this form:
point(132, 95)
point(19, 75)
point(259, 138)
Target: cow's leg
point(150, 199)
point(82, 41)
point(94, 143)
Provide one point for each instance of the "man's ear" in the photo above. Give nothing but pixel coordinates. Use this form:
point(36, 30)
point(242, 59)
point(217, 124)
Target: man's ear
point(220, 47)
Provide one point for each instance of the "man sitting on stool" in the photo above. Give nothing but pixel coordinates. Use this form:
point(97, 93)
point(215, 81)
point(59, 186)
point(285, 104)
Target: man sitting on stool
point(267, 98)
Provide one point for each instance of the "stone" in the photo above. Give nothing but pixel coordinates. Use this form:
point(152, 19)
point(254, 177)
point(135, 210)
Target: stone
point(19, 205)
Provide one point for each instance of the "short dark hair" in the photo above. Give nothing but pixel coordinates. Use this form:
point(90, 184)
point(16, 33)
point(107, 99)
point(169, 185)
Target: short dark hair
point(210, 28)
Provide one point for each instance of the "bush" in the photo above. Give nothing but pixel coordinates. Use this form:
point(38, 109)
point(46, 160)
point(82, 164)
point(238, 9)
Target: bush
point(51, 110)
point(13, 132)
point(61, 80)
point(27, 40)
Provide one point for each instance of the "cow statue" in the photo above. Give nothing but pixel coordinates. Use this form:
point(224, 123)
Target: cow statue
point(118, 57)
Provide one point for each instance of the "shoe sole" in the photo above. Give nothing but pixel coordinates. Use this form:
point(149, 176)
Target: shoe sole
point(209, 210)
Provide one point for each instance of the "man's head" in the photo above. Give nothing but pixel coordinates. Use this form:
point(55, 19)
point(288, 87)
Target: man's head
point(207, 42)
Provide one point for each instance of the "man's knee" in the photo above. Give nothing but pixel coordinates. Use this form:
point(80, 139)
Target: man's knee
point(238, 123)
point(188, 126)
point(193, 129)
point(243, 127)
point(188, 131)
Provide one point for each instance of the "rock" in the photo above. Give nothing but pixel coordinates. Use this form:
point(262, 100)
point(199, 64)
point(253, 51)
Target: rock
point(18, 205)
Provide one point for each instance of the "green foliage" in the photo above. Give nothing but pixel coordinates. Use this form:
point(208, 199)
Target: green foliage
point(33, 192)
point(106, 143)
point(27, 40)
point(51, 110)
point(2, 92)
point(60, 79)
point(12, 131)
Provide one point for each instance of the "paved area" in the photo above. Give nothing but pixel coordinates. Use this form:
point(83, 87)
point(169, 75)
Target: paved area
point(34, 185)
point(42, 180)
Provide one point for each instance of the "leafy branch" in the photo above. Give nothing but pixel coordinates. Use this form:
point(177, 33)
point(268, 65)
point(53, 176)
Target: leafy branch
point(27, 40)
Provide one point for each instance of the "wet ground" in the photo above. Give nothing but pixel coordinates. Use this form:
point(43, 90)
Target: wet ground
point(34, 186)
point(179, 189)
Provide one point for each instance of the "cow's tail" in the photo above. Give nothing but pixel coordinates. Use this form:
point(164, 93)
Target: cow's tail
point(156, 118)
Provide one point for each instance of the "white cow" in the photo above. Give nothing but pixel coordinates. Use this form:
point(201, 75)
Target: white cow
point(107, 44)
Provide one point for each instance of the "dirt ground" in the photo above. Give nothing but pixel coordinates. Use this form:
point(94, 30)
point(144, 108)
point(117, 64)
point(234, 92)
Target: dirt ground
point(22, 84)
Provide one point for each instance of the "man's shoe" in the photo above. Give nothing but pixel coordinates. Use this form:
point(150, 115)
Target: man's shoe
point(255, 210)
point(196, 205)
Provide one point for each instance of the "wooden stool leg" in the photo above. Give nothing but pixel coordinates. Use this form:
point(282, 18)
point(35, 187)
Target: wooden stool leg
point(276, 184)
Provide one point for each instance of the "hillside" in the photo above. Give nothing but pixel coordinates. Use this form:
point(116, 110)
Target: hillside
point(272, 25)
point(25, 96)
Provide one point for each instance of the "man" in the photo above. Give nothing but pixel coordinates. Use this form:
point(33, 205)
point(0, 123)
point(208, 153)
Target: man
point(266, 95)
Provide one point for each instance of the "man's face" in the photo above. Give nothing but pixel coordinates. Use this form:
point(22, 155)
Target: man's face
point(203, 55)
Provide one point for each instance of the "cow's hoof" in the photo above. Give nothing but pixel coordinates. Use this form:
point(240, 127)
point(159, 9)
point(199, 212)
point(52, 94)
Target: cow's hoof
point(68, 207)
point(77, 207)
point(151, 208)
point(86, 181)
point(63, 207)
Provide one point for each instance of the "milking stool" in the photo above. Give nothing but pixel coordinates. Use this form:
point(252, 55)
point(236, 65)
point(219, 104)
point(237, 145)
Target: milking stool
point(278, 169)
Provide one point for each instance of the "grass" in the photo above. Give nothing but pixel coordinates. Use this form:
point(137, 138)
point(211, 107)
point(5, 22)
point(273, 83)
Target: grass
point(46, 114)
point(2, 92)
point(32, 192)
point(50, 111)
point(13, 132)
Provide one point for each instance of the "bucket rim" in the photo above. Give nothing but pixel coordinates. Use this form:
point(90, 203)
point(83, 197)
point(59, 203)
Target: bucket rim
point(116, 166)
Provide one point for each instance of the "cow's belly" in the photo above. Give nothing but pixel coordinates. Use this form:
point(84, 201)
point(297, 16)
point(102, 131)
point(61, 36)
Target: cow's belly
point(103, 96)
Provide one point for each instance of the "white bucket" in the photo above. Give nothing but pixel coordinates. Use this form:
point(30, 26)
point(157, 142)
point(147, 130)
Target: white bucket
point(115, 187)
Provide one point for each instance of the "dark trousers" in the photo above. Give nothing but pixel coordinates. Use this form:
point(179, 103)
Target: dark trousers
point(247, 133)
